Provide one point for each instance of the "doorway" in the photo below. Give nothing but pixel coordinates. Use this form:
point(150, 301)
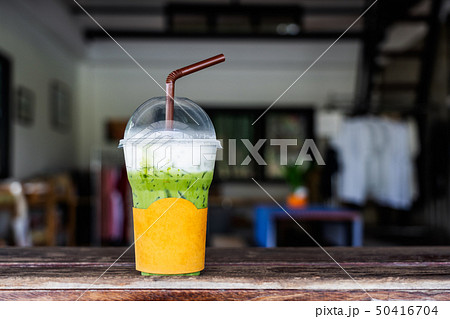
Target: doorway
point(5, 98)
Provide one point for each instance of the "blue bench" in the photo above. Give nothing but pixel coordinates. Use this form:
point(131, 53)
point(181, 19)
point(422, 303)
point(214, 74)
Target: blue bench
point(334, 225)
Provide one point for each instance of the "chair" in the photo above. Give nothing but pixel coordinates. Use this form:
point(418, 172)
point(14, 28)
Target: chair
point(48, 193)
point(12, 199)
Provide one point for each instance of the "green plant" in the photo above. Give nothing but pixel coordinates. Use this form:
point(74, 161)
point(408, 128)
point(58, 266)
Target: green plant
point(295, 175)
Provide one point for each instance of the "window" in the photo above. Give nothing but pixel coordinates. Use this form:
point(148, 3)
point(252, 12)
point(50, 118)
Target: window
point(233, 123)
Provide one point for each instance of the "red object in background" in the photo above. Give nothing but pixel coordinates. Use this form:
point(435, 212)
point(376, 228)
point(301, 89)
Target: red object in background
point(115, 205)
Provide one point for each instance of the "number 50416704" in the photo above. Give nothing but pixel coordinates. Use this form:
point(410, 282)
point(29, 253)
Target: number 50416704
point(406, 310)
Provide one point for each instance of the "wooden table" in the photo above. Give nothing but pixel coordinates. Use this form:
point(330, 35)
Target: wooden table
point(405, 273)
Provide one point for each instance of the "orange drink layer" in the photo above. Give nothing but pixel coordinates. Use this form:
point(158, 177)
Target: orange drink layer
point(170, 237)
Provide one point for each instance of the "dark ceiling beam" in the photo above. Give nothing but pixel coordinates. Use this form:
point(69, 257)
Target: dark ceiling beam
point(94, 34)
point(414, 54)
point(212, 12)
point(333, 10)
point(149, 10)
point(118, 10)
point(232, 9)
point(413, 19)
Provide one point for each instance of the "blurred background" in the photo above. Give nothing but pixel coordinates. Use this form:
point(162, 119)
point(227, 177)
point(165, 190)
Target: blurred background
point(376, 104)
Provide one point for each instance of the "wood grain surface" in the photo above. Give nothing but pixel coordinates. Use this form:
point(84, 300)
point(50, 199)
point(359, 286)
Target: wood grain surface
point(392, 273)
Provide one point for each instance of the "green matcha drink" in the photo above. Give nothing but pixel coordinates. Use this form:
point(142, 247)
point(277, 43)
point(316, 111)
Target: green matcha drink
point(149, 185)
point(170, 149)
point(170, 173)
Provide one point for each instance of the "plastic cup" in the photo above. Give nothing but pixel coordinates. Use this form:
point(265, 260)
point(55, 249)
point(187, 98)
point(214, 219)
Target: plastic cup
point(170, 172)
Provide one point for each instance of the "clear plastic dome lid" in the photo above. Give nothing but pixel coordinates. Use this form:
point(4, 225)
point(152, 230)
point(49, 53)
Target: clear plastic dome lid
point(148, 122)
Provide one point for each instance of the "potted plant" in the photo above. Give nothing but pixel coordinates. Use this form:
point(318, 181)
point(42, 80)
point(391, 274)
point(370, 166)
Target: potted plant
point(295, 176)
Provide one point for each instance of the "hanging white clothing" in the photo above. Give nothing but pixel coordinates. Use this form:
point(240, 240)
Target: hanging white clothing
point(352, 144)
point(376, 158)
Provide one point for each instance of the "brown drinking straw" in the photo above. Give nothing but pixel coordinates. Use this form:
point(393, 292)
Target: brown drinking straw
point(172, 77)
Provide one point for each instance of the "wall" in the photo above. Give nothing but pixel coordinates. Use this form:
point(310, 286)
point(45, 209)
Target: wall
point(255, 74)
point(38, 56)
point(107, 84)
